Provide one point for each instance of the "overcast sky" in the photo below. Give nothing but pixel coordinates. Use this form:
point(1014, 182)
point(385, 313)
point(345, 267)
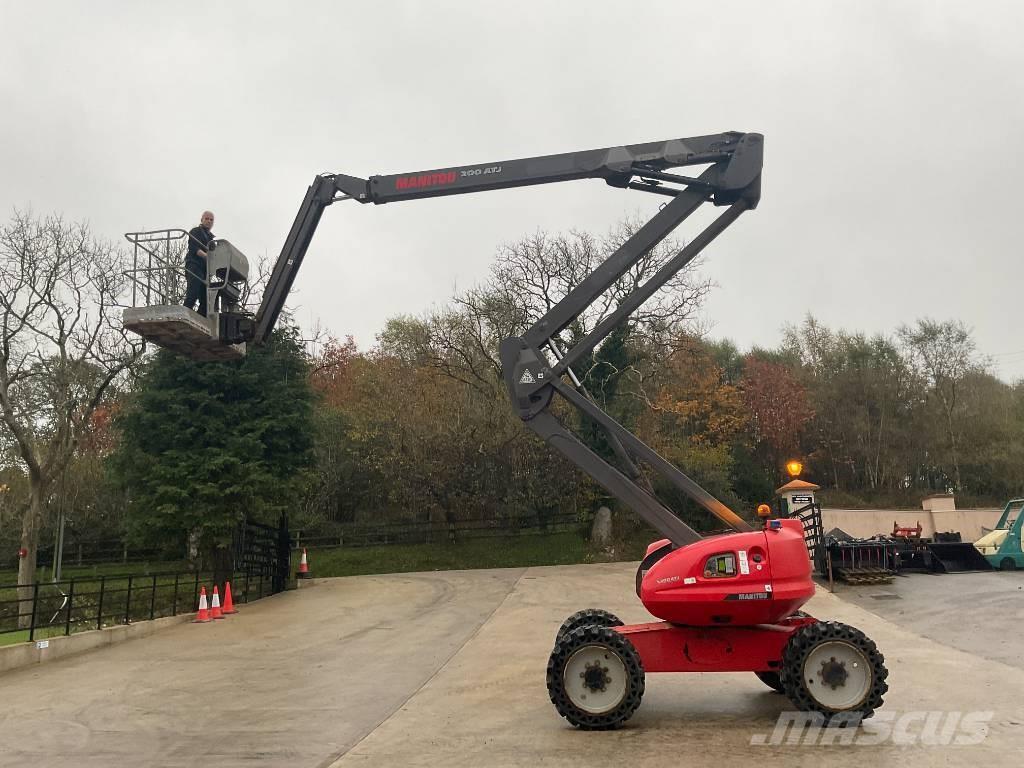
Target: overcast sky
point(894, 141)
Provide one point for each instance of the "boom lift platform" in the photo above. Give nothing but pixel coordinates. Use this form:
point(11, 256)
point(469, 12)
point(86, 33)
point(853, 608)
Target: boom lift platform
point(727, 602)
point(158, 275)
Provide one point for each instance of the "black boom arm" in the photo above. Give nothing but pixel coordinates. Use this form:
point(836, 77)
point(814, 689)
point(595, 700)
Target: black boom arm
point(534, 367)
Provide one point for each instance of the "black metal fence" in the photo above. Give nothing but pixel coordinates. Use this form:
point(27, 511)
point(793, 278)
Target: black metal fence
point(432, 532)
point(48, 609)
point(264, 551)
point(105, 551)
point(261, 557)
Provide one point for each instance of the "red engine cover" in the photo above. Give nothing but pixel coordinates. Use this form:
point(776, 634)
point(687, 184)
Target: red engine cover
point(757, 577)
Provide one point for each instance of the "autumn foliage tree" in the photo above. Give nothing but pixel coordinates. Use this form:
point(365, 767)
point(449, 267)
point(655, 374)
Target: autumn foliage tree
point(778, 408)
point(694, 417)
point(528, 278)
point(401, 440)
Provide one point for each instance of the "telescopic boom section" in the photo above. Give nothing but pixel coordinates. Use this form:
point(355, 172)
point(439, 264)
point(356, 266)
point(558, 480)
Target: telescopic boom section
point(737, 159)
point(534, 367)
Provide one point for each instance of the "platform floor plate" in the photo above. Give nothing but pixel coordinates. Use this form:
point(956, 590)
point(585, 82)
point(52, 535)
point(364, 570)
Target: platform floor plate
point(180, 330)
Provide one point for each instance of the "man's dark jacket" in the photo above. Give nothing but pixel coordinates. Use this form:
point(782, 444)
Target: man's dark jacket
point(199, 237)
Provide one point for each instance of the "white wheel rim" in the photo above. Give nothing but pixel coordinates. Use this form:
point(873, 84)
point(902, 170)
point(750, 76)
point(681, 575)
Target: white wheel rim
point(827, 690)
point(587, 664)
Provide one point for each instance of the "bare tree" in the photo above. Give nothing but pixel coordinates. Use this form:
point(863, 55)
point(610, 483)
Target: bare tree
point(528, 278)
point(535, 273)
point(945, 354)
point(62, 347)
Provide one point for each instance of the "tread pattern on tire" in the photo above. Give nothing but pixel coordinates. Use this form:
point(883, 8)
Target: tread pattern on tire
point(806, 639)
point(772, 679)
point(606, 637)
point(586, 617)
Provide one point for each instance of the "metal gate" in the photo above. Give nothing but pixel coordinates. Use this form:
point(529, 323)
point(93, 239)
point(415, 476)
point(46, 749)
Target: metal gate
point(263, 552)
point(814, 533)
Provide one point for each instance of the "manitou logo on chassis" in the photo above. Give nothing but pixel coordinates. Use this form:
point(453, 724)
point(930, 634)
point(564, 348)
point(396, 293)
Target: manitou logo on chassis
point(426, 180)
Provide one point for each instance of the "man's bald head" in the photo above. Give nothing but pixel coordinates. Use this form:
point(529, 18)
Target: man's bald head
point(206, 220)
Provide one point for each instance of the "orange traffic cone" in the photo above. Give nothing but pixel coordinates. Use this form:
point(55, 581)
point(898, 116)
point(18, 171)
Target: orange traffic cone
point(304, 567)
point(204, 613)
point(229, 605)
point(215, 611)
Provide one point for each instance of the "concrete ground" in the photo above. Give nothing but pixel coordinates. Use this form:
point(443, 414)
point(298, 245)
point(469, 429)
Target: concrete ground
point(447, 669)
point(981, 613)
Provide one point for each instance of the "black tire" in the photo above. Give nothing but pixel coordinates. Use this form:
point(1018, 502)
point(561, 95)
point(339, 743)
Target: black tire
point(1007, 564)
point(588, 617)
point(772, 679)
point(622, 671)
point(801, 685)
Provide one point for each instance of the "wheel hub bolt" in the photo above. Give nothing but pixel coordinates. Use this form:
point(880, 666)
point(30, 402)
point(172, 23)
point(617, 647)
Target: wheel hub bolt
point(833, 673)
point(595, 677)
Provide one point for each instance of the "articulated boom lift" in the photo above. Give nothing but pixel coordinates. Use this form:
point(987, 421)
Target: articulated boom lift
point(728, 602)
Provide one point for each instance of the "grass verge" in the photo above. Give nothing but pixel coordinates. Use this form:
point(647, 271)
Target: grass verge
point(491, 552)
point(43, 575)
point(42, 633)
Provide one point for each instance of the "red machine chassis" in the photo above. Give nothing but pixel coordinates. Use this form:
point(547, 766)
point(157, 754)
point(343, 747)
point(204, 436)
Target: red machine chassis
point(666, 647)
